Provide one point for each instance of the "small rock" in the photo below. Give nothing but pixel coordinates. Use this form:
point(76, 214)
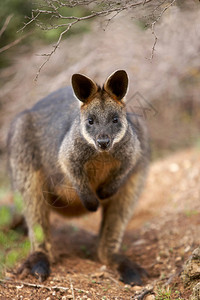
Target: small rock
point(174, 168)
point(149, 287)
point(187, 249)
point(139, 242)
point(127, 286)
point(196, 254)
point(103, 268)
point(178, 259)
point(192, 266)
point(137, 288)
point(164, 253)
point(64, 298)
point(19, 286)
point(150, 297)
point(48, 298)
point(158, 259)
point(98, 275)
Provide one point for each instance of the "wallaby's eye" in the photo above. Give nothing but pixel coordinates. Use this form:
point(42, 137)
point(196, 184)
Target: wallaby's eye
point(90, 121)
point(115, 120)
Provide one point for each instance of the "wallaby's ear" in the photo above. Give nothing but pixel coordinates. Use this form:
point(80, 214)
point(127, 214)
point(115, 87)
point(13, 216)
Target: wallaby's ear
point(116, 85)
point(84, 87)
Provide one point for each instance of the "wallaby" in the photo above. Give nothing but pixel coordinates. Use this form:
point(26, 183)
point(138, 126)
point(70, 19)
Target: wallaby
point(80, 154)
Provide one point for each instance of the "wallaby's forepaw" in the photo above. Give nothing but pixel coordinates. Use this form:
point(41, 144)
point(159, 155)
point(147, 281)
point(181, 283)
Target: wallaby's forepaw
point(131, 273)
point(104, 192)
point(90, 202)
point(37, 264)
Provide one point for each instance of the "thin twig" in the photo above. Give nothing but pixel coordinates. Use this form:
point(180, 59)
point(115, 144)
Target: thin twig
point(33, 285)
point(5, 25)
point(55, 48)
point(28, 23)
point(109, 20)
point(153, 29)
point(72, 289)
point(14, 43)
point(113, 279)
point(41, 286)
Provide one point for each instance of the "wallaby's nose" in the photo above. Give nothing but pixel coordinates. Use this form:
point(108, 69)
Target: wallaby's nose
point(103, 142)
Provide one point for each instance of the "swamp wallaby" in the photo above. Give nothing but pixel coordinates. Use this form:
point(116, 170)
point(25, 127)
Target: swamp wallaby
point(79, 155)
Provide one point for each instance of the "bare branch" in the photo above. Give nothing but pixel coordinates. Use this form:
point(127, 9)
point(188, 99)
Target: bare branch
point(5, 25)
point(54, 49)
point(153, 28)
point(33, 18)
point(53, 10)
point(21, 284)
point(14, 43)
point(112, 9)
point(72, 289)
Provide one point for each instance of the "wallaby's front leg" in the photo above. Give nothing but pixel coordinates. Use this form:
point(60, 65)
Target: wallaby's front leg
point(36, 213)
point(116, 214)
point(73, 164)
point(80, 181)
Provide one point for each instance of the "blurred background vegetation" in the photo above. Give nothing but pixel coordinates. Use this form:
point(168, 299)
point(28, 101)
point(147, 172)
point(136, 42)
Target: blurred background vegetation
point(19, 12)
point(15, 11)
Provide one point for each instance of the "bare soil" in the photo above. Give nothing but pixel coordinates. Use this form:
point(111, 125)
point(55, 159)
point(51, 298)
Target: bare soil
point(160, 237)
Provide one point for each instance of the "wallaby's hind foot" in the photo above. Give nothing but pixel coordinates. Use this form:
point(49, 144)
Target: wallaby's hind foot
point(130, 272)
point(36, 264)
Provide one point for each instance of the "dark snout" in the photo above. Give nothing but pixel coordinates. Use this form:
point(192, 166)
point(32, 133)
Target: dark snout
point(103, 142)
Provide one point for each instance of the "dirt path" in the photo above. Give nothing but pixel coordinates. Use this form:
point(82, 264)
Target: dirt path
point(160, 237)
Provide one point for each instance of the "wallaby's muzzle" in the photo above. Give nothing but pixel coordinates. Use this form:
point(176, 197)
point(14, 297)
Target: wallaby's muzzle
point(103, 142)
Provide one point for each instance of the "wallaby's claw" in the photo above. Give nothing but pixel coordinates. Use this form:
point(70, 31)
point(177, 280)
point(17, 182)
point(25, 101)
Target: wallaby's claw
point(37, 264)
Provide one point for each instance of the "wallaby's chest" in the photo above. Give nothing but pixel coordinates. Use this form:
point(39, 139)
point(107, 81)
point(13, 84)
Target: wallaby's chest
point(64, 198)
point(100, 168)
